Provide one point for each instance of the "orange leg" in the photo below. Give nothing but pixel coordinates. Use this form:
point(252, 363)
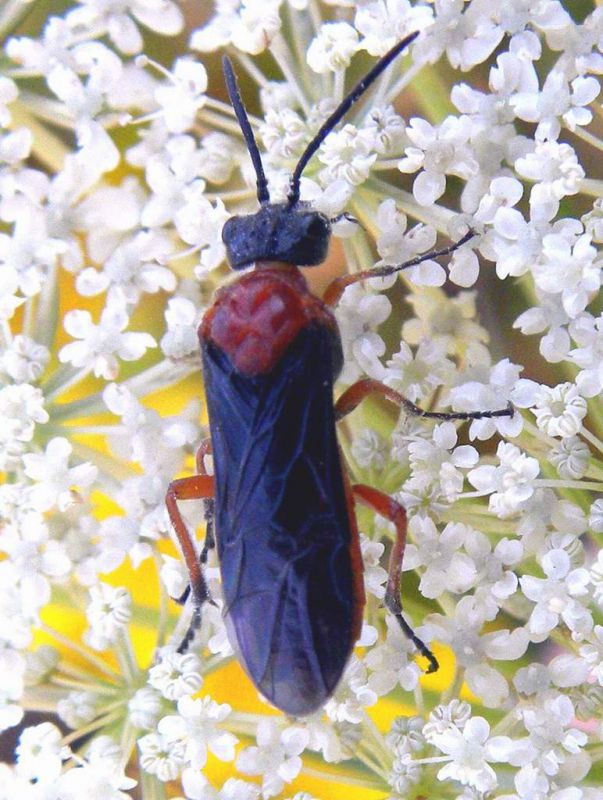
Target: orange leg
point(205, 449)
point(337, 287)
point(197, 487)
point(356, 393)
point(384, 505)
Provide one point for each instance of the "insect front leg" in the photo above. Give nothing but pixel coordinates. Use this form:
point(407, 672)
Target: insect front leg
point(197, 487)
point(387, 507)
point(337, 287)
point(356, 393)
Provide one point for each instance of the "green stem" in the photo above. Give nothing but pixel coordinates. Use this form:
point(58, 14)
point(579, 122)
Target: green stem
point(349, 780)
point(227, 109)
point(588, 137)
point(83, 686)
point(92, 727)
point(282, 56)
point(163, 604)
point(81, 651)
point(594, 440)
point(592, 187)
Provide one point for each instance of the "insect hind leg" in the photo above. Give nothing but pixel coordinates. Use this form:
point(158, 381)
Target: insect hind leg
point(387, 507)
point(197, 487)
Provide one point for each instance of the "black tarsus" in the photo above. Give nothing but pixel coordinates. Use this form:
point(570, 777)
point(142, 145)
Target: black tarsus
point(252, 146)
point(340, 112)
point(209, 544)
point(389, 269)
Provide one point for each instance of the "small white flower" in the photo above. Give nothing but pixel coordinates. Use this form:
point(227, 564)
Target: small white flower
point(40, 752)
point(168, 173)
point(552, 736)
point(451, 323)
point(587, 331)
point(144, 707)
point(492, 391)
point(352, 696)
point(391, 663)
point(469, 751)
point(162, 16)
point(284, 134)
point(12, 668)
point(54, 477)
point(101, 345)
point(348, 155)
point(197, 727)
point(437, 459)
point(568, 268)
point(595, 519)
point(437, 152)
point(184, 96)
point(160, 757)
point(21, 408)
point(180, 339)
point(24, 360)
point(176, 675)
point(199, 223)
point(78, 708)
point(374, 574)
point(446, 567)
point(358, 314)
point(555, 596)
point(383, 23)
point(417, 376)
point(369, 449)
point(511, 483)
point(559, 410)
point(454, 714)
point(101, 775)
point(131, 269)
point(250, 27)
point(396, 245)
point(556, 101)
point(276, 757)
point(8, 94)
point(388, 131)
point(570, 458)
point(333, 47)
point(109, 612)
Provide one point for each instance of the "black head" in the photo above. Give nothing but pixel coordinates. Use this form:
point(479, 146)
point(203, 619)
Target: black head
point(278, 232)
point(290, 231)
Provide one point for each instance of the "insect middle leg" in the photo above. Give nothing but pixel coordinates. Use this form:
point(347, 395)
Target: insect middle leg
point(197, 487)
point(387, 507)
point(357, 392)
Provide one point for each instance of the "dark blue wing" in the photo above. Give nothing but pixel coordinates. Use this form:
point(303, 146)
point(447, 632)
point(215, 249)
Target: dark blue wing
point(282, 521)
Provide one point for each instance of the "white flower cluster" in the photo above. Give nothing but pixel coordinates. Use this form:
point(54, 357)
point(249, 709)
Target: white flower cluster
point(117, 174)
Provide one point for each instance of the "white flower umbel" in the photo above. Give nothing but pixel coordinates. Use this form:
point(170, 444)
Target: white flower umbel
point(120, 162)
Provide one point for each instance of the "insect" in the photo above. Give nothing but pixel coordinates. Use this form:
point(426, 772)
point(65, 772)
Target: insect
point(280, 507)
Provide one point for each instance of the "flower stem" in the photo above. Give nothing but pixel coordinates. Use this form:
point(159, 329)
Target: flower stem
point(350, 780)
point(81, 651)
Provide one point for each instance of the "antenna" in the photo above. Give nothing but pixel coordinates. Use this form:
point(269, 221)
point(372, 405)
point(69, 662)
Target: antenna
point(340, 112)
point(252, 146)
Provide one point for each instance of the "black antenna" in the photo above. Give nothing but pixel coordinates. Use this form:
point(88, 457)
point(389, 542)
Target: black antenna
point(252, 146)
point(340, 112)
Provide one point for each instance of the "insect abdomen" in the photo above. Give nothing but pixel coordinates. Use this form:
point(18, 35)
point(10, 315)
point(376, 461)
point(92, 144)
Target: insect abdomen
point(286, 539)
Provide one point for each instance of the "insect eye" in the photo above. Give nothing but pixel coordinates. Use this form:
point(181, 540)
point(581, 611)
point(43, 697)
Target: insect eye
point(317, 228)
